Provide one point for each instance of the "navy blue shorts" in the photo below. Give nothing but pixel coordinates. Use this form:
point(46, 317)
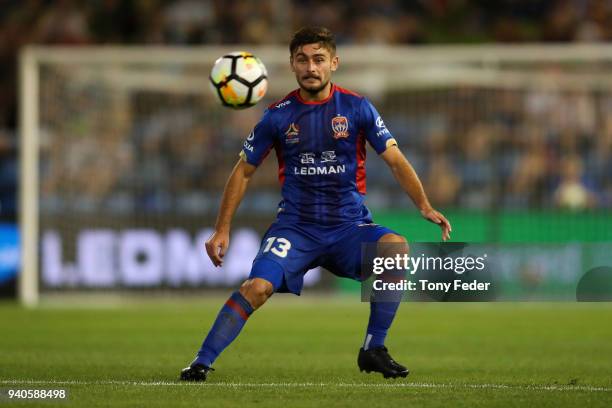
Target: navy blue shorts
point(289, 250)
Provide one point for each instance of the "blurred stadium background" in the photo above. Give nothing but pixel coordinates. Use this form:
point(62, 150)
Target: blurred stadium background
point(113, 156)
point(511, 134)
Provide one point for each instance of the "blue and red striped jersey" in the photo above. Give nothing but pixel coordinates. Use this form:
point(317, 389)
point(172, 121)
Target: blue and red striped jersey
point(320, 147)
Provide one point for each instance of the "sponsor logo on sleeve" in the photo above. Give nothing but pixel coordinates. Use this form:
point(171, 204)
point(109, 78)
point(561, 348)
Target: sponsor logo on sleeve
point(248, 146)
point(247, 143)
point(381, 125)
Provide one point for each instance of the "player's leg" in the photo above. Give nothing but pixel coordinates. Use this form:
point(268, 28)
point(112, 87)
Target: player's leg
point(230, 320)
point(373, 356)
point(232, 317)
point(384, 304)
point(345, 259)
point(282, 260)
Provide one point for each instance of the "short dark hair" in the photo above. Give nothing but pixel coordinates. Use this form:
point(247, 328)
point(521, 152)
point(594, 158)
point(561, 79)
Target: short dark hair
point(312, 35)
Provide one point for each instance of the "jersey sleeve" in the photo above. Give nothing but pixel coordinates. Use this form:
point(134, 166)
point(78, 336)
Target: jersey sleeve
point(259, 142)
point(374, 128)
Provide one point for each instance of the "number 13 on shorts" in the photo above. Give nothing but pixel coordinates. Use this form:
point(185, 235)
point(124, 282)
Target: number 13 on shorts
point(278, 246)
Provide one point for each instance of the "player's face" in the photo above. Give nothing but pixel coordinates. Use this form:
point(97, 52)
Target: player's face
point(313, 65)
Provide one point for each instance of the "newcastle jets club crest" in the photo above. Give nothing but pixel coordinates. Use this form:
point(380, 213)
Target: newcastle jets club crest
point(340, 126)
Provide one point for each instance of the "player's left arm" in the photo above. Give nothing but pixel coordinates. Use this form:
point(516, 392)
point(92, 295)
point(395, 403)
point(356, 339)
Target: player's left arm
point(409, 181)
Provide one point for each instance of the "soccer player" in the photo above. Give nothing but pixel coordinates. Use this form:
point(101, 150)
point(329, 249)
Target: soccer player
point(319, 133)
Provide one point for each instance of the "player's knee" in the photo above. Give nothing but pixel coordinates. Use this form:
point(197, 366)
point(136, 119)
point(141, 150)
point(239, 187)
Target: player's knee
point(256, 291)
point(394, 244)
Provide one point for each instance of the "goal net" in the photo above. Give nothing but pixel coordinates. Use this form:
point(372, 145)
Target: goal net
point(125, 152)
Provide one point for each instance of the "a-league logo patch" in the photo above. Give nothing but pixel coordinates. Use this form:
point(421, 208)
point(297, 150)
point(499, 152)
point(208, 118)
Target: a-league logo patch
point(340, 126)
point(291, 133)
point(292, 130)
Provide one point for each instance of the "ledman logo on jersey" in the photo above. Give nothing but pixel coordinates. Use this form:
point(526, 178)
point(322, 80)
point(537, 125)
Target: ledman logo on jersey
point(291, 134)
point(328, 156)
point(340, 126)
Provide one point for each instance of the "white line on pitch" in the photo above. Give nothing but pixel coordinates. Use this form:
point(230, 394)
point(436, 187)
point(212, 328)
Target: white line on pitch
point(311, 385)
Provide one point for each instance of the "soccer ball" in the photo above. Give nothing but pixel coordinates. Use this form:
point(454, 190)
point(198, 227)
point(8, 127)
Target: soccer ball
point(239, 79)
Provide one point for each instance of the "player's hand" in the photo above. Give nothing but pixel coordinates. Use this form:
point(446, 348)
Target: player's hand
point(216, 246)
point(437, 218)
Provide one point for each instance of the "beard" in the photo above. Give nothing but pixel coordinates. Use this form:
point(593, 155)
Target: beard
point(313, 89)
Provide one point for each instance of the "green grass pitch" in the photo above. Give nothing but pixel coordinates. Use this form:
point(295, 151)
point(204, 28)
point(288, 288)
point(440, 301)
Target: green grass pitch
point(302, 352)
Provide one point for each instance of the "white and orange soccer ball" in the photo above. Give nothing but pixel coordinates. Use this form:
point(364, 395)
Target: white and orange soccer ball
point(239, 79)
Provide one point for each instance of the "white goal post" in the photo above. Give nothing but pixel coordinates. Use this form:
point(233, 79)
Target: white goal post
point(123, 77)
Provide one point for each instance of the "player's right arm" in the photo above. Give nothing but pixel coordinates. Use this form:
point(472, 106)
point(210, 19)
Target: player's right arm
point(236, 186)
point(254, 150)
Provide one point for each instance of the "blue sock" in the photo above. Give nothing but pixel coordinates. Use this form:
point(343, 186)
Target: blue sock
point(381, 317)
point(227, 326)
